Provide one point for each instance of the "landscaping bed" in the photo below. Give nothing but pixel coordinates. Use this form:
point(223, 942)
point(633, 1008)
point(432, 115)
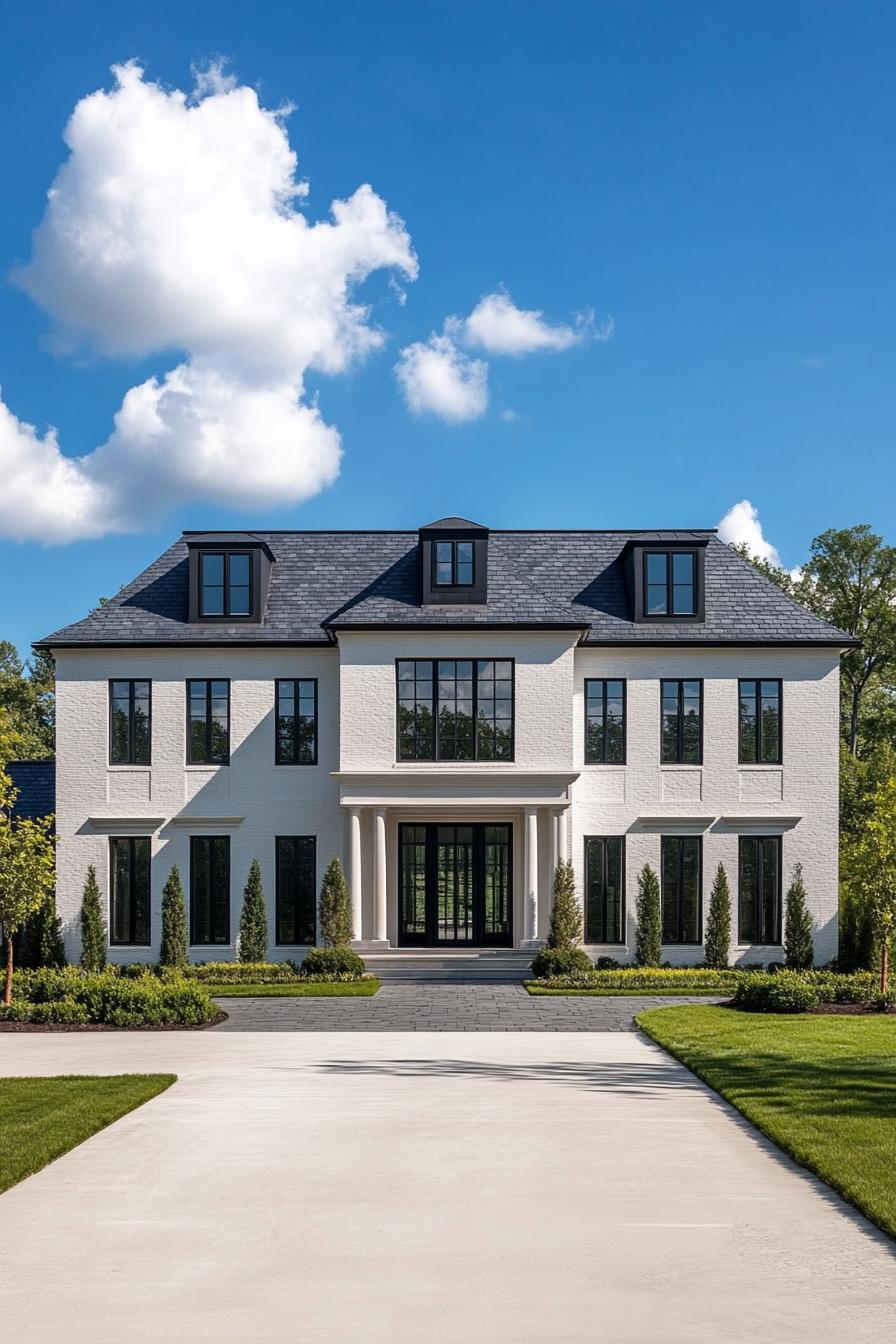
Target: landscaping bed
point(642, 980)
point(821, 1087)
point(76, 998)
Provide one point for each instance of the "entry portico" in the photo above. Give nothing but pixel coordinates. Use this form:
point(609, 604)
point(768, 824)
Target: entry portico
point(466, 815)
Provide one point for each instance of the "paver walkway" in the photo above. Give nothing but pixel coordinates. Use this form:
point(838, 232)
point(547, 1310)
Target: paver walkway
point(425, 1188)
point(442, 1007)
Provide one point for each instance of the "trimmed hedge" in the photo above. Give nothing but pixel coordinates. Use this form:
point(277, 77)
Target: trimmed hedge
point(107, 998)
point(640, 979)
point(781, 993)
point(332, 963)
point(242, 972)
point(553, 962)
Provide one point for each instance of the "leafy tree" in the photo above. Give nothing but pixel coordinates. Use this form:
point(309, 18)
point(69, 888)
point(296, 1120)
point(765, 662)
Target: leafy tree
point(717, 943)
point(648, 941)
point(173, 949)
point(334, 908)
point(874, 873)
point(565, 930)
point(780, 577)
point(27, 716)
point(93, 925)
point(798, 950)
point(253, 920)
point(27, 873)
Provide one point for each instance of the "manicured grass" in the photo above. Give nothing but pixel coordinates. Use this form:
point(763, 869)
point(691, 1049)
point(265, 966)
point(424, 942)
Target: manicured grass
point(298, 989)
point(680, 993)
point(823, 1088)
point(42, 1118)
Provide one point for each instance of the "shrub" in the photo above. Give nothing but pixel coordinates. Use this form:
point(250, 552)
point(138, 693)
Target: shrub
point(109, 998)
point(561, 961)
point(642, 979)
point(781, 993)
point(93, 926)
point(334, 910)
point(648, 941)
point(331, 963)
point(173, 951)
point(717, 942)
point(253, 945)
point(565, 930)
point(41, 943)
point(608, 964)
point(241, 972)
point(798, 950)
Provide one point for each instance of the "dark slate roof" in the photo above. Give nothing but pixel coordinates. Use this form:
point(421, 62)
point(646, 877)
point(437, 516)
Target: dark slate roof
point(326, 581)
point(36, 783)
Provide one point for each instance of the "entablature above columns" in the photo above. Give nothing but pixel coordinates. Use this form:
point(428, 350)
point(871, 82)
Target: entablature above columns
point(438, 787)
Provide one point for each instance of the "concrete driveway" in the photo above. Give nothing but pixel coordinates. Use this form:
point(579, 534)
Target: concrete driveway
point(423, 1188)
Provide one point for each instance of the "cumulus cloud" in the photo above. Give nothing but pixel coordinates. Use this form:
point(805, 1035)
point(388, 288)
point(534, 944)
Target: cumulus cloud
point(741, 524)
point(438, 378)
point(497, 326)
point(176, 224)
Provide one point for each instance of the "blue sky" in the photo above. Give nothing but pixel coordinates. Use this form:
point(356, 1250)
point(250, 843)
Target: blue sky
point(717, 178)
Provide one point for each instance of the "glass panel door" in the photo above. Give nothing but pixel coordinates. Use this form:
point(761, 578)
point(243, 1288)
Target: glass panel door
point(455, 885)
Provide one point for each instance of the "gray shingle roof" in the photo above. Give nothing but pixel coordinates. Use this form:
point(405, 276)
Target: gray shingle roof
point(326, 581)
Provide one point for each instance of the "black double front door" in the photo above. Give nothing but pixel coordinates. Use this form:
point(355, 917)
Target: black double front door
point(454, 884)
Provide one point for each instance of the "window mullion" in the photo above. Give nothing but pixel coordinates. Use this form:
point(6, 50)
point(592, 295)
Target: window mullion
point(475, 670)
point(208, 721)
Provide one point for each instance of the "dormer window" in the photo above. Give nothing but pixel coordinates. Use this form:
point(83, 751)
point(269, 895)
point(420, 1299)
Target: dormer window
point(453, 564)
point(670, 583)
point(230, 573)
point(226, 583)
point(664, 575)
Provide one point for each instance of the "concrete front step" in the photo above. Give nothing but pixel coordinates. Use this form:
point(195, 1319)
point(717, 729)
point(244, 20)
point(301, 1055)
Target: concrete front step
point(482, 966)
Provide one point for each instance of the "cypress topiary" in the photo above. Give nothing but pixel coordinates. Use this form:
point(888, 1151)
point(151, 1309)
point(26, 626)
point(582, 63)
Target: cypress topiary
point(565, 930)
point(798, 950)
point(173, 950)
point(93, 926)
point(335, 909)
point(253, 921)
point(717, 942)
point(648, 941)
point(42, 943)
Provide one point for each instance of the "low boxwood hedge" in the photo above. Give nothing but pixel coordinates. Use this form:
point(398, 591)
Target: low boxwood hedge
point(642, 979)
point(107, 998)
point(552, 962)
point(242, 972)
point(331, 963)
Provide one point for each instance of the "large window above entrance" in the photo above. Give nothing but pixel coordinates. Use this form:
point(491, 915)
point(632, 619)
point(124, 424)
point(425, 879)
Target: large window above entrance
point(455, 709)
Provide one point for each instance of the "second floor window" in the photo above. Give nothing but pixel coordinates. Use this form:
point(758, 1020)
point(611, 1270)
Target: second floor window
point(604, 722)
point(760, 722)
point(681, 729)
point(129, 722)
point(208, 722)
point(296, 713)
point(455, 709)
point(225, 587)
point(453, 564)
point(670, 583)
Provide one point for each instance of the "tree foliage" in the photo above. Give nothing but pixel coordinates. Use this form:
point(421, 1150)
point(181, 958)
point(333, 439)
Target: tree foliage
point(41, 942)
point(334, 907)
point(648, 939)
point(253, 920)
point(717, 943)
point(873, 875)
point(173, 949)
point(799, 952)
point(27, 872)
point(565, 929)
point(27, 705)
point(93, 925)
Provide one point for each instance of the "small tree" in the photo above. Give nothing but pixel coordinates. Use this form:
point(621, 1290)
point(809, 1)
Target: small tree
point(93, 926)
point(173, 951)
point(253, 920)
point(565, 929)
point(717, 942)
point(798, 950)
point(27, 872)
point(874, 873)
point(335, 909)
point(648, 941)
point(41, 943)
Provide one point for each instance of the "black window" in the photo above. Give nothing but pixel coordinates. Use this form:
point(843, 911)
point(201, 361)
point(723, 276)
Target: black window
point(670, 583)
point(453, 564)
point(208, 722)
point(129, 722)
point(129, 900)
point(296, 717)
point(225, 583)
point(759, 889)
point(604, 888)
point(604, 722)
point(760, 722)
point(209, 889)
point(682, 888)
point(681, 727)
point(296, 889)
point(455, 709)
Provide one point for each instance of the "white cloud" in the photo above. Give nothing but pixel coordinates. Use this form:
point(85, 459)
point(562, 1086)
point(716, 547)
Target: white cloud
point(497, 326)
point(175, 225)
point(438, 378)
point(741, 524)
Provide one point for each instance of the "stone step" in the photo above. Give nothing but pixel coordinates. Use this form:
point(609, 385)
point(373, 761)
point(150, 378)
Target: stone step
point(431, 964)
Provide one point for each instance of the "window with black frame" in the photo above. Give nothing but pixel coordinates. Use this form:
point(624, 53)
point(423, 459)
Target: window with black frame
point(604, 888)
point(225, 583)
point(759, 889)
point(296, 720)
point(209, 890)
point(455, 709)
point(670, 583)
point(208, 722)
point(682, 888)
point(759, 721)
point(604, 722)
point(453, 564)
point(681, 728)
point(296, 921)
point(130, 722)
point(129, 890)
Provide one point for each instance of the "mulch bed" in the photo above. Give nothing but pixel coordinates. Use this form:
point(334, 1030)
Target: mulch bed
point(852, 1010)
point(219, 1017)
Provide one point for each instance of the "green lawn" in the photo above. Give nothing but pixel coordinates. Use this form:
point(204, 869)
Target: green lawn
point(293, 989)
point(823, 1088)
point(681, 993)
point(41, 1118)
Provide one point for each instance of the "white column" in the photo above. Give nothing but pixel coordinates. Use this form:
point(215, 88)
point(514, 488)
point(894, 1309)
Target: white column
point(354, 870)
point(563, 835)
point(379, 883)
point(530, 923)
point(553, 860)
